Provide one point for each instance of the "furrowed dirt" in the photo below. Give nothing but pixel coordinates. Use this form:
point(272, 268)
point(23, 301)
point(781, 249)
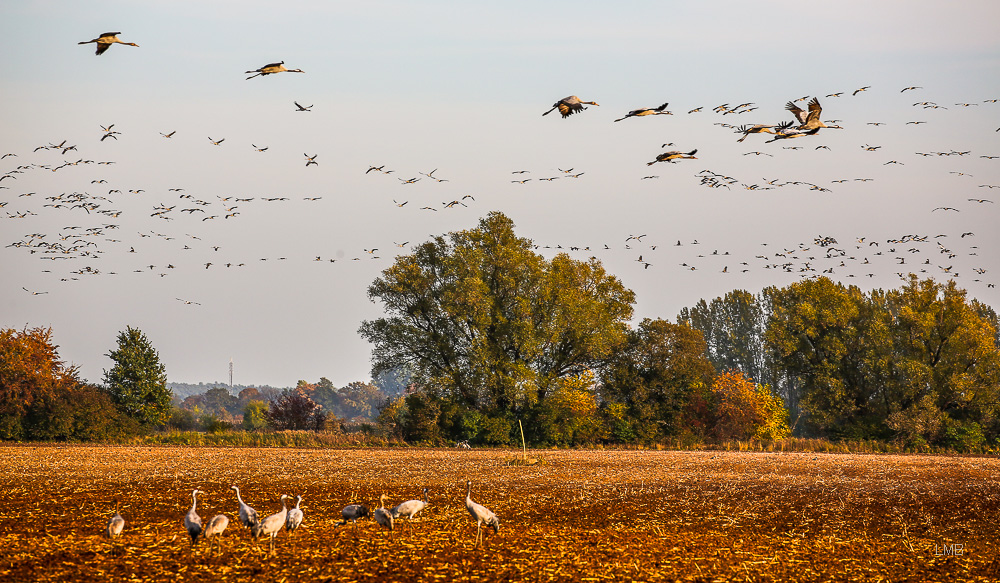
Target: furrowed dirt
point(576, 516)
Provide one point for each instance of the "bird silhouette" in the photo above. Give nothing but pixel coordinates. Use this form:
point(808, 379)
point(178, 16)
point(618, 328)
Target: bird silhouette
point(567, 106)
point(105, 41)
point(673, 155)
point(647, 111)
point(271, 69)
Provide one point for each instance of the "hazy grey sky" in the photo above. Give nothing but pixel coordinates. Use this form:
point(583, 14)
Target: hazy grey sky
point(460, 87)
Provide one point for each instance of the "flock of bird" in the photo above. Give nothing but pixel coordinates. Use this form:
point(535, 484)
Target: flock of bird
point(81, 242)
point(290, 519)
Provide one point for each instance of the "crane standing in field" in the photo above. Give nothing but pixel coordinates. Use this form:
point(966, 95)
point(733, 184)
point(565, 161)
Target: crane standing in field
point(352, 512)
point(409, 509)
point(567, 106)
point(213, 532)
point(272, 525)
point(481, 514)
point(271, 69)
point(294, 518)
point(248, 516)
point(116, 524)
point(192, 522)
point(105, 41)
point(383, 516)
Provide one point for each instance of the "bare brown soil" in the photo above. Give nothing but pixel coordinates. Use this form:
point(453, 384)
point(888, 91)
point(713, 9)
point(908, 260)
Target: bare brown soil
point(577, 516)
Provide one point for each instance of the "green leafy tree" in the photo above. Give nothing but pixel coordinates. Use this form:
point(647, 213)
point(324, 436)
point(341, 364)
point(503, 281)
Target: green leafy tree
point(137, 382)
point(255, 415)
point(656, 375)
point(946, 362)
point(480, 319)
point(733, 327)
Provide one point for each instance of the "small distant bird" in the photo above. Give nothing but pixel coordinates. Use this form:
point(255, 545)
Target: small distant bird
point(271, 69)
point(264, 149)
point(480, 514)
point(216, 142)
point(647, 111)
point(865, 88)
point(909, 89)
point(302, 107)
point(170, 135)
point(567, 106)
point(105, 41)
point(311, 159)
point(116, 524)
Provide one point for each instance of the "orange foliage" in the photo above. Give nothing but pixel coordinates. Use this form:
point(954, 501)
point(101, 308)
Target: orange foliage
point(743, 409)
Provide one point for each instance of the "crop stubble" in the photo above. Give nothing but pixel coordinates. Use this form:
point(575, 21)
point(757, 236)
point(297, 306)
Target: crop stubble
point(578, 516)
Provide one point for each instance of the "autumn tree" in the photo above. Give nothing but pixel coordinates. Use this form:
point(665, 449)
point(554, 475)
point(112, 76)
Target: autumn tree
point(656, 374)
point(914, 363)
point(137, 382)
point(480, 319)
point(743, 409)
point(733, 327)
point(295, 410)
point(946, 361)
point(43, 398)
point(569, 415)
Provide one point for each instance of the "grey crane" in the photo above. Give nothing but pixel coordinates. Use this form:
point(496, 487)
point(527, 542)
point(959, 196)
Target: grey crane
point(271, 69)
point(213, 532)
point(351, 513)
point(674, 155)
point(294, 518)
point(481, 514)
point(116, 524)
point(409, 509)
point(567, 106)
point(192, 522)
point(105, 41)
point(383, 516)
point(647, 111)
point(248, 516)
point(272, 525)
point(809, 120)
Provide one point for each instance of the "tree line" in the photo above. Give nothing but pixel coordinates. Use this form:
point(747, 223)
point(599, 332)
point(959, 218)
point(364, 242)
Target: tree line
point(42, 398)
point(494, 334)
point(483, 339)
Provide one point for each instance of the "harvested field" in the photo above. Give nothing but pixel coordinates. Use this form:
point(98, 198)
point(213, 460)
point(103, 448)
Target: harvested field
point(577, 516)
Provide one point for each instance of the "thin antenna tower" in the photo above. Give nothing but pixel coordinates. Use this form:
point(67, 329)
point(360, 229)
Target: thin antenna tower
point(230, 375)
